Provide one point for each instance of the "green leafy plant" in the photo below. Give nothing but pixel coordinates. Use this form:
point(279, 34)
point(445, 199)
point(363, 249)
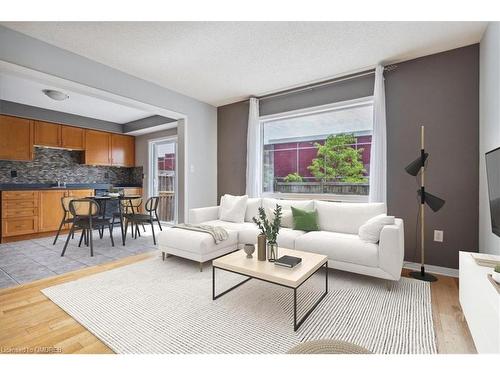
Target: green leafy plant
point(294, 177)
point(269, 228)
point(336, 160)
point(497, 268)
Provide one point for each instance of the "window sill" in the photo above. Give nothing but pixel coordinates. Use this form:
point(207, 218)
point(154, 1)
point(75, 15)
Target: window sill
point(322, 197)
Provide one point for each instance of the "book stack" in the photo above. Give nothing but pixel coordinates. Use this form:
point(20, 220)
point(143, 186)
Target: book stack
point(288, 261)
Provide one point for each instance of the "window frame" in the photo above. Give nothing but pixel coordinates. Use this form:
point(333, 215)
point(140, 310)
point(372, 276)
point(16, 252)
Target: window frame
point(367, 100)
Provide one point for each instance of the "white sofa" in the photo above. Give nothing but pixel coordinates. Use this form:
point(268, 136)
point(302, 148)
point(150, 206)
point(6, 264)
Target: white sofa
point(337, 238)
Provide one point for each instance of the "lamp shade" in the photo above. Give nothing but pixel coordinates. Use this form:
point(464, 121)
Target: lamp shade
point(414, 167)
point(435, 203)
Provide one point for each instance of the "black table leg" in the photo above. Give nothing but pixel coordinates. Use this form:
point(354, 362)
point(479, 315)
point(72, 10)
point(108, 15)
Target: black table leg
point(214, 296)
point(296, 325)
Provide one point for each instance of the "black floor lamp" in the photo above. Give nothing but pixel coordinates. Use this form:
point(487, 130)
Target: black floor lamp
point(414, 168)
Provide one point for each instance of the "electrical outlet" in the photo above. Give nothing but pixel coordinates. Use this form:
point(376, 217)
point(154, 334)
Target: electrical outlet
point(13, 173)
point(438, 235)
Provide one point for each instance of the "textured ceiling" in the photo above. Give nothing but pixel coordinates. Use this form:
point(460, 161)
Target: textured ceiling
point(222, 62)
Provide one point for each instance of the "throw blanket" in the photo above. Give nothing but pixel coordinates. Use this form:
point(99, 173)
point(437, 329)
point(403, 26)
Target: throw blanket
point(218, 233)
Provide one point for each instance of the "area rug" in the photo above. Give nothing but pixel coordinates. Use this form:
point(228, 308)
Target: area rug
point(166, 307)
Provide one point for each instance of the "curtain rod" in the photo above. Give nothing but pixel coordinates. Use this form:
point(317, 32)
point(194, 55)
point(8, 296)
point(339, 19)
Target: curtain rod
point(323, 83)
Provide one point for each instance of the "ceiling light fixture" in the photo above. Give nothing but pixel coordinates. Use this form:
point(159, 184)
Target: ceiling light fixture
point(55, 95)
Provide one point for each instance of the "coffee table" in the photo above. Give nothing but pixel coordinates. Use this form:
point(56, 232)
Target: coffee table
point(291, 278)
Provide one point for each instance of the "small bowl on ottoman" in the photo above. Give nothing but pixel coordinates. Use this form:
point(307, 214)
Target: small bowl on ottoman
point(249, 249)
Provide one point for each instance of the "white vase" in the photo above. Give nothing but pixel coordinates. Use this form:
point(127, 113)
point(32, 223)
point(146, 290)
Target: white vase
point(496, 276)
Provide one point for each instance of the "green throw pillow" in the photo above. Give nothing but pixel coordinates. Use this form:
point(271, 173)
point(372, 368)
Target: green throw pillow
point(305, 220)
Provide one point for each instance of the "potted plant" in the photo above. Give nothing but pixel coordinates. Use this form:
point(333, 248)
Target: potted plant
point(270, 229)
point(496, 274)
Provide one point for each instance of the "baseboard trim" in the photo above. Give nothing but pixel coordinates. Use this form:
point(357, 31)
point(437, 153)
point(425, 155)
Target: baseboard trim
point(445, 271)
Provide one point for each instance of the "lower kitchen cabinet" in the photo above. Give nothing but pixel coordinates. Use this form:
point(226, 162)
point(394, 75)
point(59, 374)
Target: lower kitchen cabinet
point(19, 226)
point(50, 209)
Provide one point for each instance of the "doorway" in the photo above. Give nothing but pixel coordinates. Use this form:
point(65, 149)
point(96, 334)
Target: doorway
point(163, 181)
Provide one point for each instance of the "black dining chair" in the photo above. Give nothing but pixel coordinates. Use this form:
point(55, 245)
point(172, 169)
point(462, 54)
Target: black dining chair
point(129, 206)
point(150, 217)
point(85, 217)
point(66, 219)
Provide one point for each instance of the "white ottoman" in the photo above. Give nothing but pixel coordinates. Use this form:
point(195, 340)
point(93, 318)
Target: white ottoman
point(197, 246)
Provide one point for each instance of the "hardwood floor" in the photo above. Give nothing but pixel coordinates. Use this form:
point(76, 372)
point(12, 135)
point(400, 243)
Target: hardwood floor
point(30, 322)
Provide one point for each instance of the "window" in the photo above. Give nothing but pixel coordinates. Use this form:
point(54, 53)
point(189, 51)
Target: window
point(320, 151)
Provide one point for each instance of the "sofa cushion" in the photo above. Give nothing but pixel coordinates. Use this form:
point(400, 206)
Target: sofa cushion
point(370, 231)
point(286, 237)
point(194, 242)
point(233, 208)
point(253, 205)
point(229, 225)
point(286, 204)
point(286, 217)
point(341, 247)
point(346, 217)
point(248, 235)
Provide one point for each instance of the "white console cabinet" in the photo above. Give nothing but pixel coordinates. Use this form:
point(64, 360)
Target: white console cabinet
point(480, 303)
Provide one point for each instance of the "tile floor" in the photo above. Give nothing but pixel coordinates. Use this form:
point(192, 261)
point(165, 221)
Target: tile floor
point(30, 260)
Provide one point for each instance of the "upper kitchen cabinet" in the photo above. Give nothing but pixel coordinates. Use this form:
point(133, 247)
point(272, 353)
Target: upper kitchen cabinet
point(122, 150)
point(61, 136)
point(97, 147)
point(47, 134)
point(16, 138)
point(72, 138)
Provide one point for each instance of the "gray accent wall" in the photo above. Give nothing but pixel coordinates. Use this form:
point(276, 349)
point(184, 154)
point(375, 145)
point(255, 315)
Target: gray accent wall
point(232, 148)
point(489, 128)
point(354, 88)
point(42, 114)
point(440, 91)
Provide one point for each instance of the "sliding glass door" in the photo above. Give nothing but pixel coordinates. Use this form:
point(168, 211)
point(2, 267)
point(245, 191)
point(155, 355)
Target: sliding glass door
point(163, 181)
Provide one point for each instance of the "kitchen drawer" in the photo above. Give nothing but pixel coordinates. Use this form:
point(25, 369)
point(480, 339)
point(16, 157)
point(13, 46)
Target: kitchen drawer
point(19, 226)
point(13, 205)
point(19, 212)
point(19, 195)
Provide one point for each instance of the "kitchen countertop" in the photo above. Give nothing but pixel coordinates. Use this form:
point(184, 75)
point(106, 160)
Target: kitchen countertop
point(7, 187)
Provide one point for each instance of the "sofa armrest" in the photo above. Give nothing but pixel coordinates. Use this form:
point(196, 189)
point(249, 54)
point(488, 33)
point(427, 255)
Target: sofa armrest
point(199, 215)
point(392, 249)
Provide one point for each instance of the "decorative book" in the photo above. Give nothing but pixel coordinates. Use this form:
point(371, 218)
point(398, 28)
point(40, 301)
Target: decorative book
point(288, 261)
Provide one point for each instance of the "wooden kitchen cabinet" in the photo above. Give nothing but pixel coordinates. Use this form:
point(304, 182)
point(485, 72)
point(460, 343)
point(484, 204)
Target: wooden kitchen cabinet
point(72, 138)
point(50, 209)
point(16, 138)
point(47, 134)
point(80, 193)
point(19, 213)
point(122, 150)
point(97, 147)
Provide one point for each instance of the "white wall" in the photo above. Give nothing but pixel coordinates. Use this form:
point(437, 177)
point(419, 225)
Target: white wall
point(489, 127)
point(198, 132)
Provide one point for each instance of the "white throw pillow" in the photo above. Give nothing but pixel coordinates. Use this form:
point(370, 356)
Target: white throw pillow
point(253, 205)
point(286, 217)
point(370, 231)
point(233, 208)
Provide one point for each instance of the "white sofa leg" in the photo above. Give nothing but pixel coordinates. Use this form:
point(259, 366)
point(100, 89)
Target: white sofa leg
point(201, 266)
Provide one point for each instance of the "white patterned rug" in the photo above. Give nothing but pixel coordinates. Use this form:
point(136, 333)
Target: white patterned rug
point(166, 307)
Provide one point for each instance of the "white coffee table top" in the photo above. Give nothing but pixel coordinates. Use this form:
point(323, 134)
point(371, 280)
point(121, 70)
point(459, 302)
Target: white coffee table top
point(291, 277)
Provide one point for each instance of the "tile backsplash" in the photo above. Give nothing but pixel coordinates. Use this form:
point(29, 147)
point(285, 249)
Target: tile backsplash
point(51, 165)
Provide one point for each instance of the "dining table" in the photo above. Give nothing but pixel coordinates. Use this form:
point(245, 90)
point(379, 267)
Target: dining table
point(102, 202)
